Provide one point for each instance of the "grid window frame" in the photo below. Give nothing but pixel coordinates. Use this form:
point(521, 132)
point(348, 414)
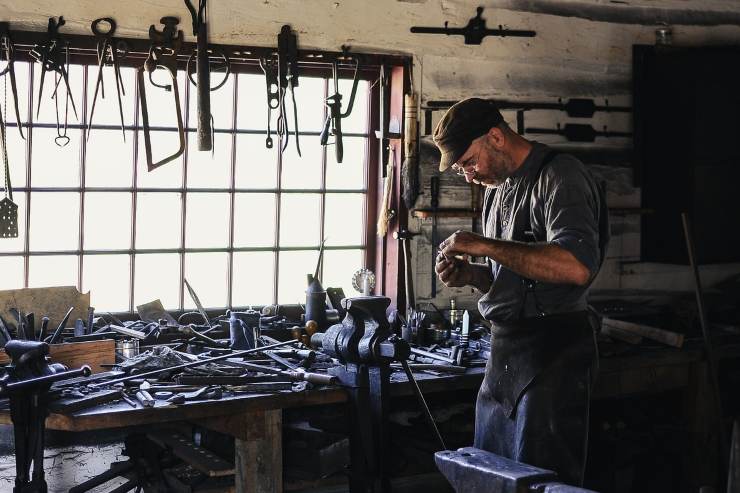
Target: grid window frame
point(134, 131)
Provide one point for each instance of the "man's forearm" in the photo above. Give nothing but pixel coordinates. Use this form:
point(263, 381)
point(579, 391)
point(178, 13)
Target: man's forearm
point(480, 277)
point(540, 262)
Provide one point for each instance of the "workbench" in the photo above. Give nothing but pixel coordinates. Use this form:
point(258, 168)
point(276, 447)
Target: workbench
point(255, 420)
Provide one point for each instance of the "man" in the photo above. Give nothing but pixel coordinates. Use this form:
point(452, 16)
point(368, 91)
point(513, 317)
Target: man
point(545, 233)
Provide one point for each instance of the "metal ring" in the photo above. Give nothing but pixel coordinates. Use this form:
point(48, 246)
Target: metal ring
point(61, 138)
point(103, 20)
point(226, 64)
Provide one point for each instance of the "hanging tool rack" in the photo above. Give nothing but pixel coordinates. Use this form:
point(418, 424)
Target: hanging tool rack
point(243, 59)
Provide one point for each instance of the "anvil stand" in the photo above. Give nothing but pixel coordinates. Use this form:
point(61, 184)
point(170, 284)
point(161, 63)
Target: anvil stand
point(365, 345)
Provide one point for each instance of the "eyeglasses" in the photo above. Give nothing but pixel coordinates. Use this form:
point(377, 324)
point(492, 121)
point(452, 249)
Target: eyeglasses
point(468, 163)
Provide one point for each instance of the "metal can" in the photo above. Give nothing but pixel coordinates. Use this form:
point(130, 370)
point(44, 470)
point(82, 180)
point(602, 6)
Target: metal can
point(128, 348)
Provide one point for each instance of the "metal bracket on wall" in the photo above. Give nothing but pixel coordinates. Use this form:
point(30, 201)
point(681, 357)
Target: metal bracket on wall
point(474, 31)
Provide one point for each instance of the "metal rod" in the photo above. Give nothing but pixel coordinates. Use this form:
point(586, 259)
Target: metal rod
point(235, 354)
point(432, 355)
point(427, 413)
point(711, 358)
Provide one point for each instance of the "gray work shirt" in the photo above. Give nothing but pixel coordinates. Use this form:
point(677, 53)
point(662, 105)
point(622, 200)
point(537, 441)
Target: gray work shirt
point(565, 207)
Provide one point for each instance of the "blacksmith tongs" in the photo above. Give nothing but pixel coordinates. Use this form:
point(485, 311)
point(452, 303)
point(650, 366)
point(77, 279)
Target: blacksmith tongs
point(333, 123)
point(107, 55)
point(6, 47)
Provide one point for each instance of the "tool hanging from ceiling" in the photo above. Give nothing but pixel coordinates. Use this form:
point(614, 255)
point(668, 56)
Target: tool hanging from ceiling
point(288, 78)
point(335, 115)
point(50, 56)
point(162, 55)
point(8, 209)
point(475, 30)
point(107, 53)
point(203, 70)
point(8, 49)
point(281, 76)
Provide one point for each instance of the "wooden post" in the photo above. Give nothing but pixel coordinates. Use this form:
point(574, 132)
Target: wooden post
point(259, 454)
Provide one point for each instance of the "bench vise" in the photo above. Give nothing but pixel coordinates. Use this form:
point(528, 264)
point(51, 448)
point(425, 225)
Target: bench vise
point(473, 469)
point(26, 382)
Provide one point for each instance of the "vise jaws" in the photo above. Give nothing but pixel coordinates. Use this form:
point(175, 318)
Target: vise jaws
point(473, 469)
point(26, 382)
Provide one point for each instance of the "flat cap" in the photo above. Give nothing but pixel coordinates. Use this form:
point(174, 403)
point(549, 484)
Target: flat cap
point(464, 122)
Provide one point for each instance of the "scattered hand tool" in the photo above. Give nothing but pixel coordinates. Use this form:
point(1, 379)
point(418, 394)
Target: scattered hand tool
point(434, 199)
point(7, 47)
point(107, 55)
point(145, 398)
point(162, 54)
point(190, 330)
point(475, 31)
point(333, 122)
point(197, 302)
point(30, 327)
point(8, 208)
point(128, 399)
point(203, 70)
point(58, 333)
point(234, 354)
point(288, 79)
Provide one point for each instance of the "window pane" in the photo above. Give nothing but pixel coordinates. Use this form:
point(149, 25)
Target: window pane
point(16, 157)
point(158, 220)
point(207, 220)
point(107, 220)
point(207, 275)
point(47, 113)
point(206, 169)
point(339, 265)
point(251, 111)
point(107, 279)
point(256, 166)
point(350, 173)
point(343, 224)
point(299, 219)
point(157, 276)
point(254, 276)
point(292, 278)
point(54, 166)
point(12, 272)
point(55, 220)
point(52, 270)
point(222, 102)
point(106, 108)
point(254, 219)
point(108, 159)
point(356, 122)
point(310, 100)
point(22, 80)
point(161, 103)
point(168, 175)
point(305, 171)
point(16, 244)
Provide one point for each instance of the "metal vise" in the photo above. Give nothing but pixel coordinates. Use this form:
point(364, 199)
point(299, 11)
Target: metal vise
point(365, 345)
point(26, 381)
point(473, 469)
point(364, 336)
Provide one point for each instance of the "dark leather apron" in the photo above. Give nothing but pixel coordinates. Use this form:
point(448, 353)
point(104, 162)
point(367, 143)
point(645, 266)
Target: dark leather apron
point(533, 403)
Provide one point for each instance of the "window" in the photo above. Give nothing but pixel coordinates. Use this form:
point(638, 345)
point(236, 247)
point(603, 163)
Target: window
point(241, 225)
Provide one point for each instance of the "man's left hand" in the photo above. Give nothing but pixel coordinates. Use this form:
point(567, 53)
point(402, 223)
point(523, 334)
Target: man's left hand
point(463, 243)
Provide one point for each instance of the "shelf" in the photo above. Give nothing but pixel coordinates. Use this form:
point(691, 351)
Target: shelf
point(444, 212)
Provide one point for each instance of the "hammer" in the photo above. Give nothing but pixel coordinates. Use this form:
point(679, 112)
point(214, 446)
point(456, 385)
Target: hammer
point(405, 236)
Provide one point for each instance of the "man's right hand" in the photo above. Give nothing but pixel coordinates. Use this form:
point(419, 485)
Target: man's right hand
point(454, 272)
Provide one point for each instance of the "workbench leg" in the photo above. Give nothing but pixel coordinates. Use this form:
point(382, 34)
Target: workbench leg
point(702, 458)
point(259, 457)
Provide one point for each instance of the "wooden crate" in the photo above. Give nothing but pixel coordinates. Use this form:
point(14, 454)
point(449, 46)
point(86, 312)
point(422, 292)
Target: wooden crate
point(76, 354)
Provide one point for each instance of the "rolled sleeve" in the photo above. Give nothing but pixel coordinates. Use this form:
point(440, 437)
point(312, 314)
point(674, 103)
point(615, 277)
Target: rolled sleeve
point(571, 211)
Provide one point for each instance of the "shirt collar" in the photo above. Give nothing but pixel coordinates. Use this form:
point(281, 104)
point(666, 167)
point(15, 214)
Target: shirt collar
point(536, 154)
